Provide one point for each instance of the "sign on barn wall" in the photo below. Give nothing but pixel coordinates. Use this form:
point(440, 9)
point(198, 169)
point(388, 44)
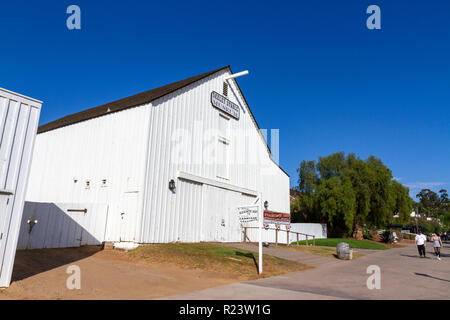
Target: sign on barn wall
point(222, 103)
point(271, 217)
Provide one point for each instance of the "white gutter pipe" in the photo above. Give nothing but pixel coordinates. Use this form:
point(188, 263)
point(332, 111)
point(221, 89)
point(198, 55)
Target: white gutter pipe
point(236, 75)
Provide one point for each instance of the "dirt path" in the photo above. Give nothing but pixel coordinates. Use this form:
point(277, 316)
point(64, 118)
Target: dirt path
point(108, 274)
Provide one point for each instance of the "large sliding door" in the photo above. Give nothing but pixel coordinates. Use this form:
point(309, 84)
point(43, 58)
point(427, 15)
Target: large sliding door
point(220, 220)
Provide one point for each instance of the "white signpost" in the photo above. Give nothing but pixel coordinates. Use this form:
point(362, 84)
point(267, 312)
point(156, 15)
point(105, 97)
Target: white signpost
point(254, 213)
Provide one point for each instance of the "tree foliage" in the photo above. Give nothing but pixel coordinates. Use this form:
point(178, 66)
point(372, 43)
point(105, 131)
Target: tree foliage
point(434, 205)
point(347, 192)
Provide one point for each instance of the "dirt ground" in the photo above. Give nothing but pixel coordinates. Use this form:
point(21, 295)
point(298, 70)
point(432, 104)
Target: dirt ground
point(105, 274)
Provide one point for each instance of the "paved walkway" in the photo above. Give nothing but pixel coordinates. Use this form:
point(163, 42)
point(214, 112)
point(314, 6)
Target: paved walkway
point(403, 276)
point(309, 259)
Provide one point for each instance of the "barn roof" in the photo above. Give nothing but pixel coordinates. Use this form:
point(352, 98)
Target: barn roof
point(125, 103)
point(138, 100)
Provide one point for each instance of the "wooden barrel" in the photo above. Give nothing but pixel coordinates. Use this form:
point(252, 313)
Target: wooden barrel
point(343, 251)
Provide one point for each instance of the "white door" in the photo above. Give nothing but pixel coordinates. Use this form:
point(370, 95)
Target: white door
point(220, 219)
point(128, 217)
point(4, 207)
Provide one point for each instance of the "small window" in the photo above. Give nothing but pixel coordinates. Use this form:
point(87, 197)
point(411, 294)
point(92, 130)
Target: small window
point(225, 89)
point(88, 184)
point(104, 183)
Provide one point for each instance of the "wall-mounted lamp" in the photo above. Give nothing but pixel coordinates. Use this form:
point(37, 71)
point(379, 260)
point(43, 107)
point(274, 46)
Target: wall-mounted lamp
point(31, 223)
point(172, 186)
point(266, 205)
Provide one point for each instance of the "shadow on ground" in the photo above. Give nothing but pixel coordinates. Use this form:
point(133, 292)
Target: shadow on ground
point(32, 262)
point(248, 255)
point(431, 277)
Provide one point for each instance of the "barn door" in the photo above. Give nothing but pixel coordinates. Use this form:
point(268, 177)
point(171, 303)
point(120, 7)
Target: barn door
point(4, 199)
point(128, 216)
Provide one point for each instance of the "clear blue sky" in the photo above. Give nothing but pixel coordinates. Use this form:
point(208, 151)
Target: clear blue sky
point(317, 73)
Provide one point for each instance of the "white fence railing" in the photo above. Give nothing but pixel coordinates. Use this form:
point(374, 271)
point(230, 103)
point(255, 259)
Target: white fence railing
point(298, 232)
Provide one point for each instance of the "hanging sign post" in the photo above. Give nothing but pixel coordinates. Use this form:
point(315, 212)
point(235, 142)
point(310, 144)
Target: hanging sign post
point(260, 226)
point(251, 214)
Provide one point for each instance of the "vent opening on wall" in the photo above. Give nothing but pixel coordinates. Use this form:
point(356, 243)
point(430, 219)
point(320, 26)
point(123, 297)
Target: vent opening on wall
point(225, 89)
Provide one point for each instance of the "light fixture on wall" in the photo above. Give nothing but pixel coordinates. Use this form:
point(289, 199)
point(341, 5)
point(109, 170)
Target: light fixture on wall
point(172, 186)
point(266, 205)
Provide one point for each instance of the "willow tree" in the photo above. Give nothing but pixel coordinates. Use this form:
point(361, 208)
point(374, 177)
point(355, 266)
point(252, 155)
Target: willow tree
point(347, 193)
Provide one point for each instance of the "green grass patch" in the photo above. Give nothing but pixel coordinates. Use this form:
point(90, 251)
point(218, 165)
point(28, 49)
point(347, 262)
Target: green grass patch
point(354, 244)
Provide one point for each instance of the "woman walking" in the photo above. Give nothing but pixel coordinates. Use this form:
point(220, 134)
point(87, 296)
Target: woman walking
point(437, 244)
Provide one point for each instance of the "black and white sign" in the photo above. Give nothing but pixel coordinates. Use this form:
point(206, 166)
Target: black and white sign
point(222, 103)
point(248, 214)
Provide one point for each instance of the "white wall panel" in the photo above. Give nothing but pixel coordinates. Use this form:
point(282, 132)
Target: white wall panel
point(58, 226)
point(111, 148)
point(220, 214)
point(19, 118)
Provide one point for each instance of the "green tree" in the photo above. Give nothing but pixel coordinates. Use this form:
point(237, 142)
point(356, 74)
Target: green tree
point(337, 203)
point(429, 202)
point(359, 174)
point(308, 177)
point(402, 202)
point(347, 192)
point(381, 187)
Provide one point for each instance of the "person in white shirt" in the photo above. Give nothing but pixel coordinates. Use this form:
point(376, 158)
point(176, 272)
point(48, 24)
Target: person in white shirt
point(421, 241)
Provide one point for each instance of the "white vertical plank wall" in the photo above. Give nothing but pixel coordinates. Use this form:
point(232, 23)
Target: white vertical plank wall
point(62, 225)
point(19, 118)
point(136, 151)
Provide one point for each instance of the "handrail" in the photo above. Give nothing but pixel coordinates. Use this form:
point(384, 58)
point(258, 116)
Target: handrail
point(276, 238)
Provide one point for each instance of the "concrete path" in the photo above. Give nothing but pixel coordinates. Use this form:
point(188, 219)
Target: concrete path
point(309, 259)
point(403, 276)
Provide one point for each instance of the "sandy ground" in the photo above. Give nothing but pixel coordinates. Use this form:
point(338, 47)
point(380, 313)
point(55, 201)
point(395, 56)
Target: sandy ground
point(107, 274)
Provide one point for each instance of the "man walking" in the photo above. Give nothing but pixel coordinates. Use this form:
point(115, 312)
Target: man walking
point(421, 241)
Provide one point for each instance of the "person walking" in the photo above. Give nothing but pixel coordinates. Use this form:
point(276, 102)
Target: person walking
point(421, 241)
point(437, 244)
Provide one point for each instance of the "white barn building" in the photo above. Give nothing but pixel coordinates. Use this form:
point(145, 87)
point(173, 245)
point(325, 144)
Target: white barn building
point(172, 164)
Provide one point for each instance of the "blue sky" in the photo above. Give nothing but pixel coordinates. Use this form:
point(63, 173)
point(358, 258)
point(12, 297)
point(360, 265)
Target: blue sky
point(316, 72)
